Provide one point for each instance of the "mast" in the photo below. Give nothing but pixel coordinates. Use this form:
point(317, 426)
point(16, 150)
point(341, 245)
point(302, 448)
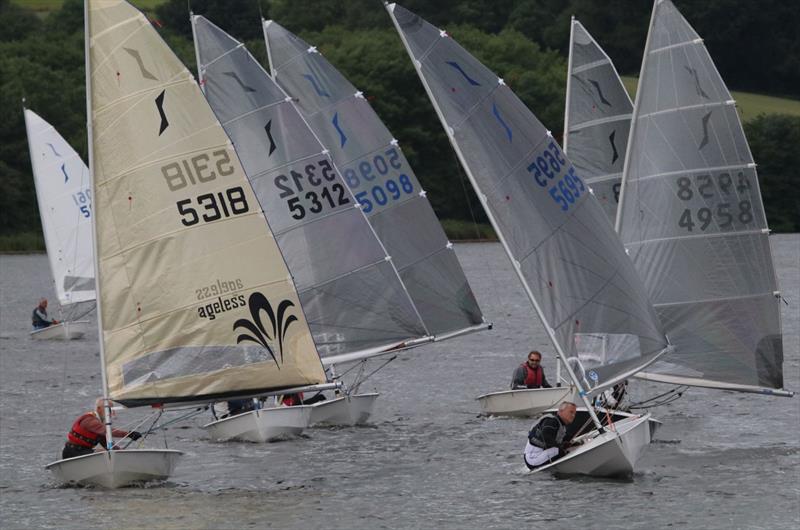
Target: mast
point(569, 84)
point(269, 51)
point(89, 118)
point(493, 221)
point(634, 119)
point(200, 80)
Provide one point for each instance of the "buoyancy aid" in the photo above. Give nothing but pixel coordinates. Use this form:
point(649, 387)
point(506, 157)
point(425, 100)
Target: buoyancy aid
point(536, 434)
point(291, 400)
point(77, 435)
point(533, 376)
point(36, 317)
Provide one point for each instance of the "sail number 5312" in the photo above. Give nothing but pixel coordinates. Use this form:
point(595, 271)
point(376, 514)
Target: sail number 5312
point(545, 169)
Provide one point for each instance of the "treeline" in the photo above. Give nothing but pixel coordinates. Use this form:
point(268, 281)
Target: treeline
point(523, 41)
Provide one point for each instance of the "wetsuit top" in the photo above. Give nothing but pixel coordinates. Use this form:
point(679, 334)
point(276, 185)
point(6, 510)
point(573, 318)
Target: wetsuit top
point(548, 432)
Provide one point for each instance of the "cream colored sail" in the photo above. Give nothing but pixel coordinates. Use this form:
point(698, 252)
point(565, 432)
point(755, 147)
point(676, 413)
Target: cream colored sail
point(196, 300)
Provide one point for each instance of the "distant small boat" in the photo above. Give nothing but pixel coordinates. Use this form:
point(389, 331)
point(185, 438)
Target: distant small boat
point(68, 330)
point(64, 195)
point(526, 402)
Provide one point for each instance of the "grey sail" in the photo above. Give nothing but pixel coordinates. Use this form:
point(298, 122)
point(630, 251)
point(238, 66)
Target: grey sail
point(378, 174)
point(349, 289)
point(566, 253)
point(597, 118)
point(692, 218)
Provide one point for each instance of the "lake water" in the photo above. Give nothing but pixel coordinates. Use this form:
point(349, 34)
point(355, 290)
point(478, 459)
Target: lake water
point(721, 460)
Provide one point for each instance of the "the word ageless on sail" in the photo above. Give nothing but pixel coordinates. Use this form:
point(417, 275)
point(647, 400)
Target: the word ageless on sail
point(218, 290)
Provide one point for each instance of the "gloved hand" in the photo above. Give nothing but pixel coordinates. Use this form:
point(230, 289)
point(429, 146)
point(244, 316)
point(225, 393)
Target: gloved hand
point(562, 451)
point(134, 435)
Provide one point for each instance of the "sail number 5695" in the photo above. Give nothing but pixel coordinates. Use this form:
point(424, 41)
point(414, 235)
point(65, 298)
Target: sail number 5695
point(547, 166)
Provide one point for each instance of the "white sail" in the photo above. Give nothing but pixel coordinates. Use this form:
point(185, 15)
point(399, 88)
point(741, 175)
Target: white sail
point(380, 177)
point(195, 300)
point(64, 194)
point(571, 263)
point(692, 218)
point(597, 118)
point(349, 287)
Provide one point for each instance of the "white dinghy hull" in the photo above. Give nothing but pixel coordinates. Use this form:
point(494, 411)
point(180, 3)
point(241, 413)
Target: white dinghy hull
point(116, 469)
point(261, 425)
point(611, 454)
point(525, 402)
point(62, 331)
point(345, 410)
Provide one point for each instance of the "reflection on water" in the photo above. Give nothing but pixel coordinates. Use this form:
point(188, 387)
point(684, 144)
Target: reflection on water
point(427, 461)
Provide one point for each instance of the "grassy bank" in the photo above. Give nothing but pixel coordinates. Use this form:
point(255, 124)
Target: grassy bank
point(458, 230)
point(750, 105)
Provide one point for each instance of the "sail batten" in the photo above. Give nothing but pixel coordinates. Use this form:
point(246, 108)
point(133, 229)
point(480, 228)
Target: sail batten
point(571, 264)
point(194, 298)
point(692, 218)
point(377, 173)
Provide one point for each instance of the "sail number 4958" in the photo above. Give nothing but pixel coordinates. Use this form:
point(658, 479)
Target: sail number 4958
point(547, 166)
point(200, 169)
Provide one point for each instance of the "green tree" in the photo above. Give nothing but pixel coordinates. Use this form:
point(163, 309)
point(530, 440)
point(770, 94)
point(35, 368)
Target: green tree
point(773, 141)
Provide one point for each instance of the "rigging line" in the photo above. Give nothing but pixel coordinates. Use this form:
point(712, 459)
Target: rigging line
point(678, 390)
point(361, 380)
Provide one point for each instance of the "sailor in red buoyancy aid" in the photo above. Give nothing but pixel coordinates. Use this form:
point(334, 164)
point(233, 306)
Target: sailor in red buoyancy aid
point(89, 430)
point(530, 373)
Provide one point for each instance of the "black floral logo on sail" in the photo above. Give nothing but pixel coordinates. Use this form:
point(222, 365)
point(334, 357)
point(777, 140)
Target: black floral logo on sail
point(279, 322)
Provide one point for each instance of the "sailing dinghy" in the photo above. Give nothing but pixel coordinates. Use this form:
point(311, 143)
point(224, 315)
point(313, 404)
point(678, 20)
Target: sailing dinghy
point(692, 219)
point(381, 180)
point(195, 302)
point(351, 289)
point(63, 192)
point(570, 262)
point(596, 123)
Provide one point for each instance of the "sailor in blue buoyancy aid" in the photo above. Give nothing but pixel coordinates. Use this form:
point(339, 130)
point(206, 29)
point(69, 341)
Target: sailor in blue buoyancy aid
point(548, 437)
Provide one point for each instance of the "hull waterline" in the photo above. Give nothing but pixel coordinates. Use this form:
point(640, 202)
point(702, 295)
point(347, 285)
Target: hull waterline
point(354, 409)
point(525, 403)
point(62, 331)
point(261, 425)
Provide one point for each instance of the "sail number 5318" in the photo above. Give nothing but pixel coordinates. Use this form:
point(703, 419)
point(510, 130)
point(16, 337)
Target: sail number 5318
point(545, 169)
